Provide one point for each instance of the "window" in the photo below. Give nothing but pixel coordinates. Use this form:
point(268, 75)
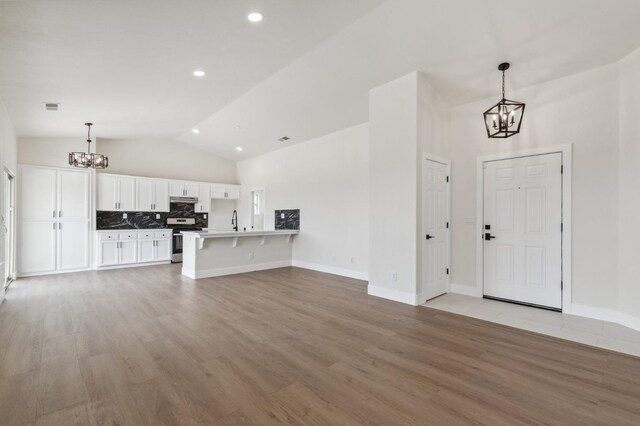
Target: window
point(256, 203)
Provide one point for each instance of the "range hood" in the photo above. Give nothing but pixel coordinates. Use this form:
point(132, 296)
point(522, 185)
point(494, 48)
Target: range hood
point(185, 200)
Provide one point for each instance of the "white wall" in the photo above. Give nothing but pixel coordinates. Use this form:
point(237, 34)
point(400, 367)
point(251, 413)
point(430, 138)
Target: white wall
point(328, 180)
point(393, 173)
point(581, 110)
point(152, 158)
point(629, 178)
point(8, 159)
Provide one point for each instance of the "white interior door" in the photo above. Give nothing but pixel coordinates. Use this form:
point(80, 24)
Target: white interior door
point(522, 226)
point(435, 246)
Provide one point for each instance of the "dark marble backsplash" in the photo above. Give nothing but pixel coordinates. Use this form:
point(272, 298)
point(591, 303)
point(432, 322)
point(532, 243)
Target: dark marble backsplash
point(288, 219)
point(106, 220)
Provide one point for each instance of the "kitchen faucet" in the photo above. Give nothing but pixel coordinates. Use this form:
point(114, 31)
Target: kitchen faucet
point(234, 220)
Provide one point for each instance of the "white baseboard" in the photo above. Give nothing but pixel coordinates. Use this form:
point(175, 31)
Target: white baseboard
point(466, 290)
point(349, 273)
point(39, 274)
point(219, 272)
point(605, 314)
point(395, 295)
point(132, 265)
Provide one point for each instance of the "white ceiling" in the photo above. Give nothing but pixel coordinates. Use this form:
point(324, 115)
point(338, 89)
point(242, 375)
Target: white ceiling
point(303, 72)
point(127, 65)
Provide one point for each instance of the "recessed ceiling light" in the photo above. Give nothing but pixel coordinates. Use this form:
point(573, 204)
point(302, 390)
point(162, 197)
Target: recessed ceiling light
point(196, 131)
point(255, 17)
point(238, 148)
point(199, 73)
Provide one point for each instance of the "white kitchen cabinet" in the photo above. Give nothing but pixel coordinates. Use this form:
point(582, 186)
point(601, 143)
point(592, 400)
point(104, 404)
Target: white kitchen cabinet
point(54, 222)
point(224, 192)
point(163, 249)
point(204, 199)
point(161, 195)
point(128, 252)
point(116, 193)
point(37, 252)
point(73, 247)
point(131, 247)
point(108, 253)
point(152, 195)
point(233, 192)
point(183, 188)
point(146, 250)
point(192, 189)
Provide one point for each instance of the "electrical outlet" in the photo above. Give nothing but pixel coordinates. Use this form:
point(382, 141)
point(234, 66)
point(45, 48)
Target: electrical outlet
point(124, 215)
point(205, 215)
point(157, 215)
point(394, 276)
point(281, 215)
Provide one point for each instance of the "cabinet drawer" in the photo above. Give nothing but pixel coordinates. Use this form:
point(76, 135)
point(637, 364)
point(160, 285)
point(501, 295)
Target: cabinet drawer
point(146, 235)
point(164, 234)
point(108, 236)
point(128, 235)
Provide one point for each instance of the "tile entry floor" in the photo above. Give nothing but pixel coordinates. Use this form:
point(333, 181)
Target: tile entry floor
point(589, 331)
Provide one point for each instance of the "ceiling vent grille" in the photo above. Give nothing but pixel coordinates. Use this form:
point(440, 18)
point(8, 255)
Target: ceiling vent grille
point(51, 106)
point(284, 139)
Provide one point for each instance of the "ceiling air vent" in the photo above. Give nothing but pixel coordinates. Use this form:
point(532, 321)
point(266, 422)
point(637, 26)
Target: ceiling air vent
point(51, 106)
point(284, 139)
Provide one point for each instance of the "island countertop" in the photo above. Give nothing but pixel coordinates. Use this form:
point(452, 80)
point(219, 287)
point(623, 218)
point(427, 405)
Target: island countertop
point(234, 234)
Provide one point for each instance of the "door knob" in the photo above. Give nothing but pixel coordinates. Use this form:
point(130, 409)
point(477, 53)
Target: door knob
point(488, 236)
point(429, 237)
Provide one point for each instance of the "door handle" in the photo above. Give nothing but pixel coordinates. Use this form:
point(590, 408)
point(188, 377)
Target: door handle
point(429, 237)
point(488, 236)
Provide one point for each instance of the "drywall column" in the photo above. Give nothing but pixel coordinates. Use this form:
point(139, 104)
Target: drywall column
point(629, 194)
point(393, 189)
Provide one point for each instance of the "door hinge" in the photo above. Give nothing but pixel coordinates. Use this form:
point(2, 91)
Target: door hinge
point(561, 285)
point(447, 178)
point(562, 169)
point(562, 227)
point(447, 225)
point(447, 271)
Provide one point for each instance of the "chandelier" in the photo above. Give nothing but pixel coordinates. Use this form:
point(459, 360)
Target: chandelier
point(86, 160)
point(503, 120)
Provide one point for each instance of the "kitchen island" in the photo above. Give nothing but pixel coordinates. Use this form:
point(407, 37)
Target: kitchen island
point(215, 253)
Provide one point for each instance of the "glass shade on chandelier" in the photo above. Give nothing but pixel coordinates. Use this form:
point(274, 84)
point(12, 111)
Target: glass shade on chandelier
point(504, 119)
point(86, 159)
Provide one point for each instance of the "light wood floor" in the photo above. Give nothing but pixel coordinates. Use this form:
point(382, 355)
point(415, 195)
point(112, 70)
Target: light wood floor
point(145, 346)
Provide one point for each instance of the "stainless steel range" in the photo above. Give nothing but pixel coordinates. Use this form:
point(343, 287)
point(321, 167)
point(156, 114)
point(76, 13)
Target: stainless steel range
point(177, 225)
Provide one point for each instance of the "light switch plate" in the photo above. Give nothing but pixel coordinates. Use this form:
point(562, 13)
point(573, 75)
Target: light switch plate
point(124, 215)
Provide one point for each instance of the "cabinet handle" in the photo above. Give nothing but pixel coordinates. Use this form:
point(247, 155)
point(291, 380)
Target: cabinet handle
point(115, 206)
point(154, 206)
point(59, 225)
point(54, 213)
point(59, 213)
point(54, 226)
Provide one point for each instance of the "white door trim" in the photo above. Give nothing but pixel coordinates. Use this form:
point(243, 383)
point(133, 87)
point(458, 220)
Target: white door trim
point(567, 160)
point(446, 162)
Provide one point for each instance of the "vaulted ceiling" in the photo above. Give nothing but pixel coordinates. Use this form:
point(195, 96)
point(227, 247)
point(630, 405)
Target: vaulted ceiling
point(303, 72)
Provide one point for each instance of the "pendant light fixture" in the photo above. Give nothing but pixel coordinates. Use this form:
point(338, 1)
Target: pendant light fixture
point(503, 120)
point(88, 160)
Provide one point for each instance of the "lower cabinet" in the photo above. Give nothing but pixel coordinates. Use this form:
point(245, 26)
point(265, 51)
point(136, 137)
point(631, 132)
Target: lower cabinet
point(133, 247)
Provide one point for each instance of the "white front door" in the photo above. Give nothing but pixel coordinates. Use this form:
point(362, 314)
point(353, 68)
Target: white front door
point(434, 229)
point(522, 230)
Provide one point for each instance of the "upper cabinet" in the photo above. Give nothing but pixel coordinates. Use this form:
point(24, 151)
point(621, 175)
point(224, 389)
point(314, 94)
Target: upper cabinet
point(204, 198)
point(152, 195)
point(221, 191)
point(182, 188)
point(116, 193)
point(130, 193)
